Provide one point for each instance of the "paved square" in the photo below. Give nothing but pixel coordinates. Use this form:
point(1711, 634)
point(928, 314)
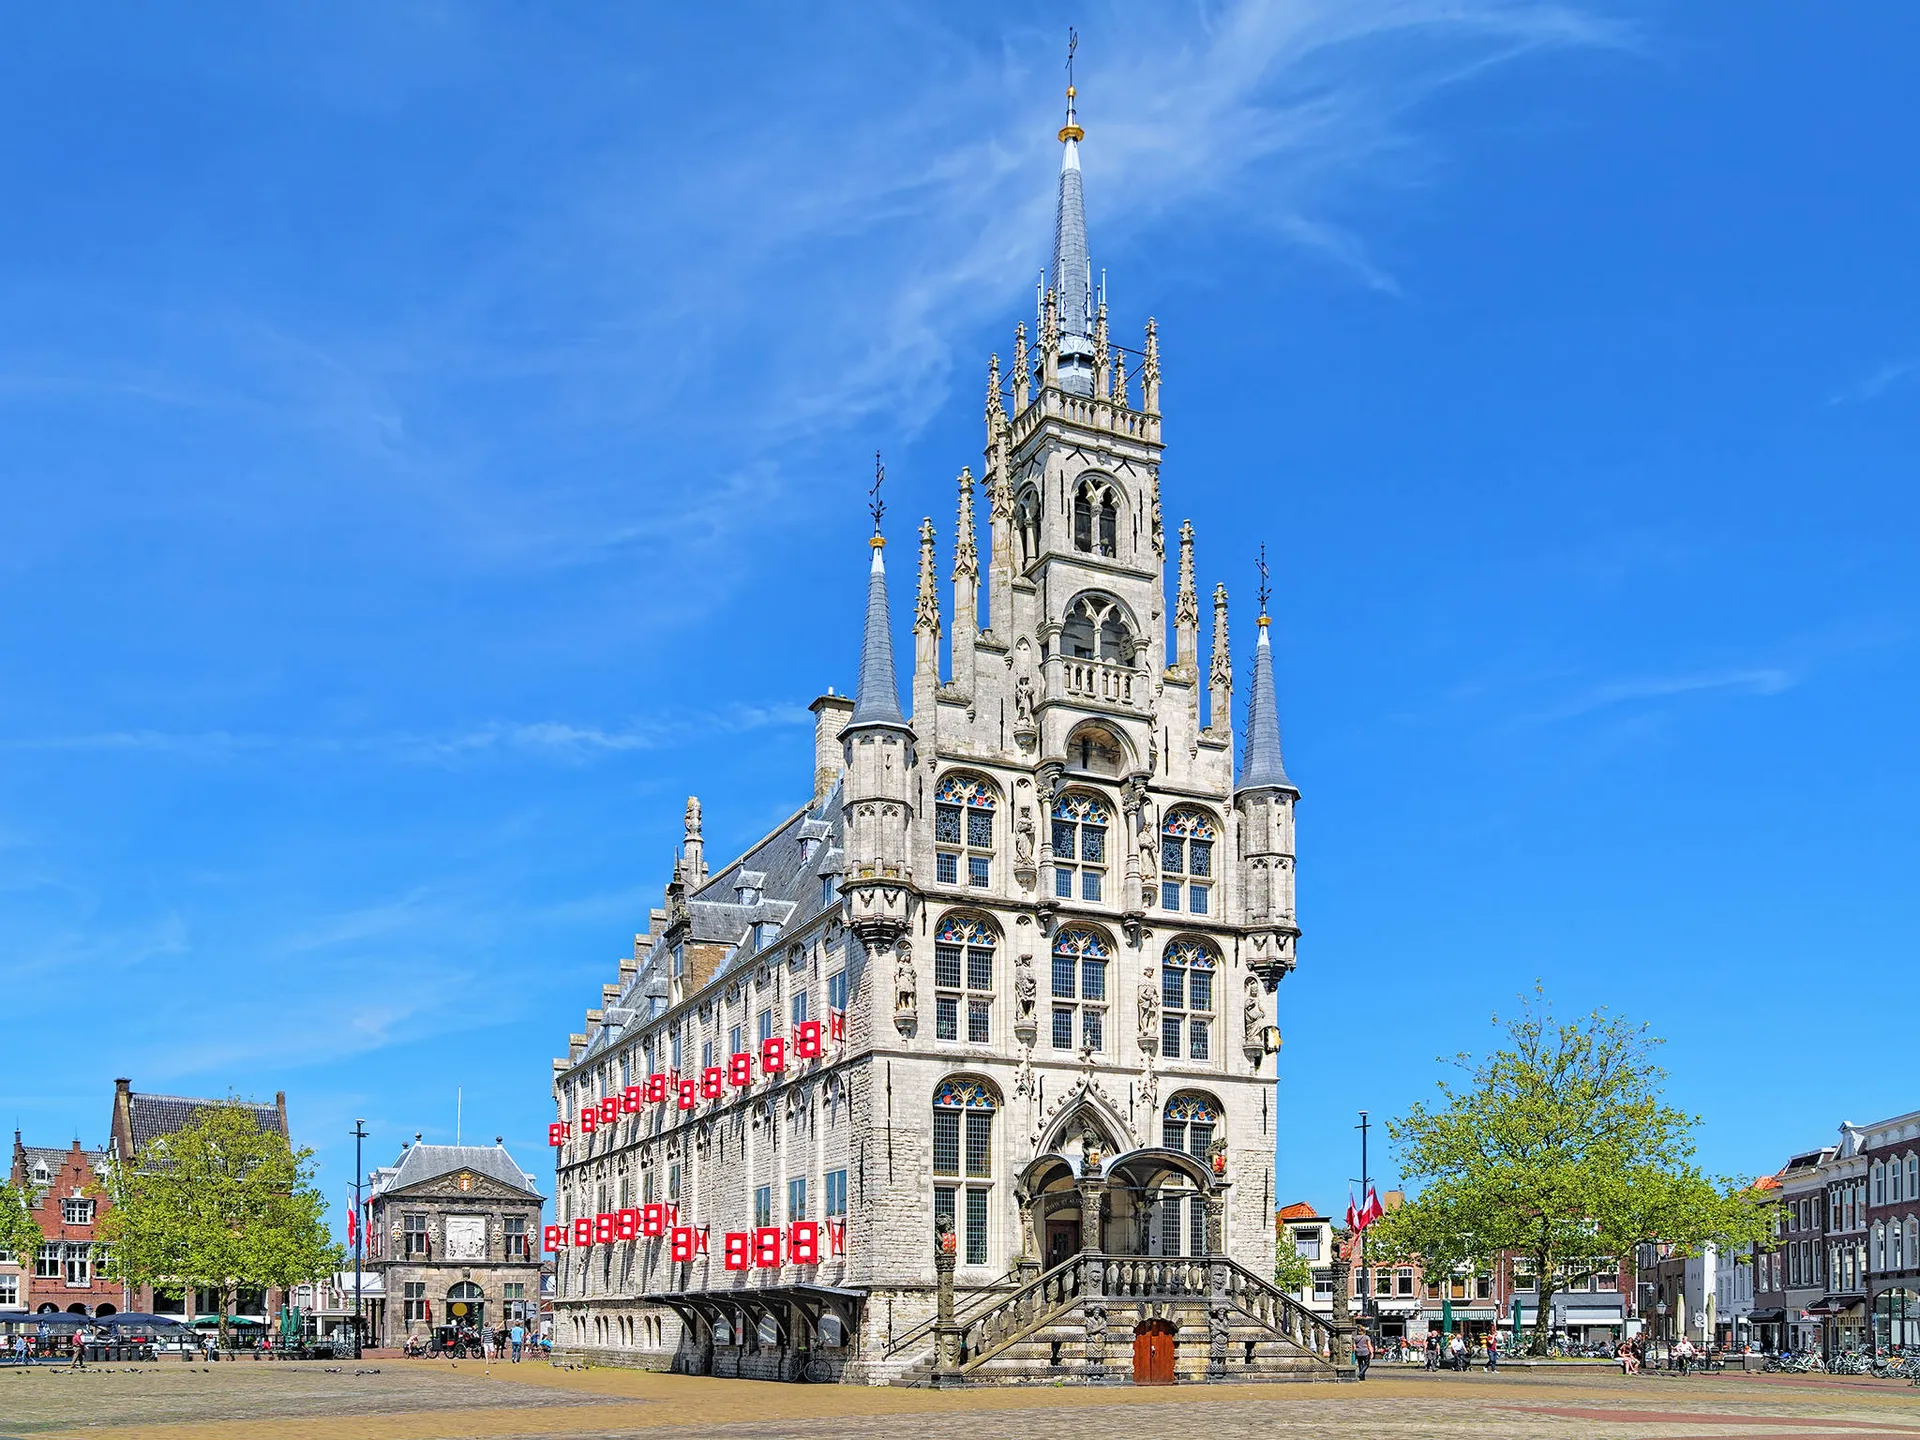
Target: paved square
point(435, 1400)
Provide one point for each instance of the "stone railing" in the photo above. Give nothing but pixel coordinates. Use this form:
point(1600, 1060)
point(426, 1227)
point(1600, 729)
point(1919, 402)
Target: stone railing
point(977, 1303)
point(1098, 680)
point(1261, 1300)
point(1145, 1278)
point(1027, 1309)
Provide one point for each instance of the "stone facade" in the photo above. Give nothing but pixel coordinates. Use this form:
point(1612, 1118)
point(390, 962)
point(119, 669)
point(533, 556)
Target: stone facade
point(454, 1239)
point(1051, 922)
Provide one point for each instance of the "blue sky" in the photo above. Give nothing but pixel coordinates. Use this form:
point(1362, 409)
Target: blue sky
point(433, 443)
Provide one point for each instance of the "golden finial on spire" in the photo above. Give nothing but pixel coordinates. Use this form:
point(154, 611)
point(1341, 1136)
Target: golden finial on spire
point(1071, 130)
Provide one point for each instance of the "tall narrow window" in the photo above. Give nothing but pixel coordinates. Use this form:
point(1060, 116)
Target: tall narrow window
point(1186, 1001)
point(1080, 825)
point(1079, 989)
point(963, 980)
point(1186, 862)
point(963, 1110)
point(963, 808)
point(1189, 1124)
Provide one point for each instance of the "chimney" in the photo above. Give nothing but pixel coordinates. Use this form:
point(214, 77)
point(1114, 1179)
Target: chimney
point(280, 1107)
point(831, 713)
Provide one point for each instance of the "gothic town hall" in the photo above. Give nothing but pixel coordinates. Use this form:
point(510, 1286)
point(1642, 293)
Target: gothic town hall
point(964, 1074)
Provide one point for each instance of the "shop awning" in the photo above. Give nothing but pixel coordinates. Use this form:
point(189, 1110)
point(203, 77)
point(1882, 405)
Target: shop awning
point(1836, 1304)
point(1764, 1317)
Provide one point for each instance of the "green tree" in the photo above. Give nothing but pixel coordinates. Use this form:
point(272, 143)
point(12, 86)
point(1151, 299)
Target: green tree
point(20, 1234)
point(1560, 1149)
point(1290, 1272)
point(219, 1204)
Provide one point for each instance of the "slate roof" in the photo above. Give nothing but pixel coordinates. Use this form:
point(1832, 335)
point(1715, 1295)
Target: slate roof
point(420, 1163)
point(876, 700)
point(1260, 767)
point(152, 1116)
point(790, 896)
point(56, 1162)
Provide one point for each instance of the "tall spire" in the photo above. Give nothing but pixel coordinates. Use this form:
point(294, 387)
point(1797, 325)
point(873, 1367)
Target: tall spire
point(1072, 269)
point(1260, 766)
point(877, 699)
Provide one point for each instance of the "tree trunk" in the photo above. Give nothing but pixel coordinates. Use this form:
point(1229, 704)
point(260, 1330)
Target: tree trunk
point(226, 1306)
point(1542, 1310)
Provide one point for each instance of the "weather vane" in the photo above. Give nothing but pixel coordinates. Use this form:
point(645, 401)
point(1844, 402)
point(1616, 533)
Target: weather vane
point(1261, 566)
point(1073, 43)
point(876, 507)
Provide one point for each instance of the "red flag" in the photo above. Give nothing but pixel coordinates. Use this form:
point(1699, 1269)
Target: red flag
point(429, 1305)
point(1370, 1211)
point(836, 1024)
point(1353, 1214)
point(353, 1227)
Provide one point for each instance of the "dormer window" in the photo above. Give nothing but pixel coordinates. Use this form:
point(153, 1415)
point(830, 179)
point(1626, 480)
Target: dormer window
point(765, 932)
point(747, 894)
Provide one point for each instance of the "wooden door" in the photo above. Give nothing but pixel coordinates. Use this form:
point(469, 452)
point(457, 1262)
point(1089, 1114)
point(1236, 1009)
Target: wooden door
point(1063, 1238)
point(1153, 1353)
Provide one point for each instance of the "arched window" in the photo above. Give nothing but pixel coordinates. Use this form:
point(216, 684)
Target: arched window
point(1897, 1260)
point(1026, 525)
point(1096, 518)
point(1189, 1123)
point(1080, 825)
point(1913, 1177)
point(963, 807)
point(963, 1110)
point(1879, 1183)
point(1186, 861)
point(1096, 628)
point(963, 979)
point(1080, 988)
point(1186, 1001)
point(1913, 1243)
point(1879, 1246)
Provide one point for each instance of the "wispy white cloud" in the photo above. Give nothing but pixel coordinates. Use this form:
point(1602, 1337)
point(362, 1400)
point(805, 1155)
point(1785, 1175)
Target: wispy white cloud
point(1896, 375)
point(1636, 689)
point(538, 739)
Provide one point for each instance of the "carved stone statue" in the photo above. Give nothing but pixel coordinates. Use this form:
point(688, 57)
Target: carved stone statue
point(1024, 990)
point(693, 815)
point(906, 984)
point(1091, 1153)
point(1256, 1010)
point(1023, 702)
point(1096, 1333)
point(1149, 1014)
point(1023, 836)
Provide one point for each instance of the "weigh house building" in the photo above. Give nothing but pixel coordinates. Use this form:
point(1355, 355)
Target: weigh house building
point(1035, 924)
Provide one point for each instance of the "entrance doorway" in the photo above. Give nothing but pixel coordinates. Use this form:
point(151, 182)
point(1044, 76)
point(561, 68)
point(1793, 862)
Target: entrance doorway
point(465, 1306)
point(1063, 1238)
point(1153, 1352)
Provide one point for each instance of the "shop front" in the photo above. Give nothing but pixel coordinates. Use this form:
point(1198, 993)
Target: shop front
point(1896, 1319)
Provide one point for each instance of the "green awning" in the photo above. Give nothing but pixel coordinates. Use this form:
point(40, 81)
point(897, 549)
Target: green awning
point(212, 1322)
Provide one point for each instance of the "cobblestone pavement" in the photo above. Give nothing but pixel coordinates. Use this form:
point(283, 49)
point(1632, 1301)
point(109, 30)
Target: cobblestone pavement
point(432, 1400)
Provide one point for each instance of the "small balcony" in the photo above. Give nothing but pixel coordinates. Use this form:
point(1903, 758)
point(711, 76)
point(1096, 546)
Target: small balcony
point(1101, 681)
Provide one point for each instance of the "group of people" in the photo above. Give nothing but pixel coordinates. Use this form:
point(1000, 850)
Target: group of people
point(1451, 1352)
point(1682, 1355)
point(501, 1342)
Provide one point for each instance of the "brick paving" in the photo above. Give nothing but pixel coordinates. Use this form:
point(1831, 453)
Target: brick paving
point(434, 1400)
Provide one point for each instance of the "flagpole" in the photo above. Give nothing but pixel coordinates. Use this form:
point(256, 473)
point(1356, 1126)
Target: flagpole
point(1366, 1281)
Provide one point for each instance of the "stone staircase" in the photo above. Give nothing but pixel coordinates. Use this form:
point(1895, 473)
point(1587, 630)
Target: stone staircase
point(1076, 1322)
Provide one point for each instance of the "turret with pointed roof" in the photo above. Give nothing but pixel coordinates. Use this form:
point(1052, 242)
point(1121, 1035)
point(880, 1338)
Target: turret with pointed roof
point(1072, 267)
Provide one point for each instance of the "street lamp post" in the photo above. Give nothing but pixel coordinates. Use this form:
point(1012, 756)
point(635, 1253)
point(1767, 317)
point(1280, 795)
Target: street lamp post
point(359, 1237)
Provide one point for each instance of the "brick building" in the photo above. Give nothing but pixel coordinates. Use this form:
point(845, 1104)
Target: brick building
point(65, 1274)
point(137, 1120)
point(1042, 921)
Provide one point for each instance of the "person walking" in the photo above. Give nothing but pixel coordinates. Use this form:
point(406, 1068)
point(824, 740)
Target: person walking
point(1433, 1351)
point(79, 1361)
point(1456, 1354)
point(1493, 1353)
point(517, 1337)
point(1362, 1351)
